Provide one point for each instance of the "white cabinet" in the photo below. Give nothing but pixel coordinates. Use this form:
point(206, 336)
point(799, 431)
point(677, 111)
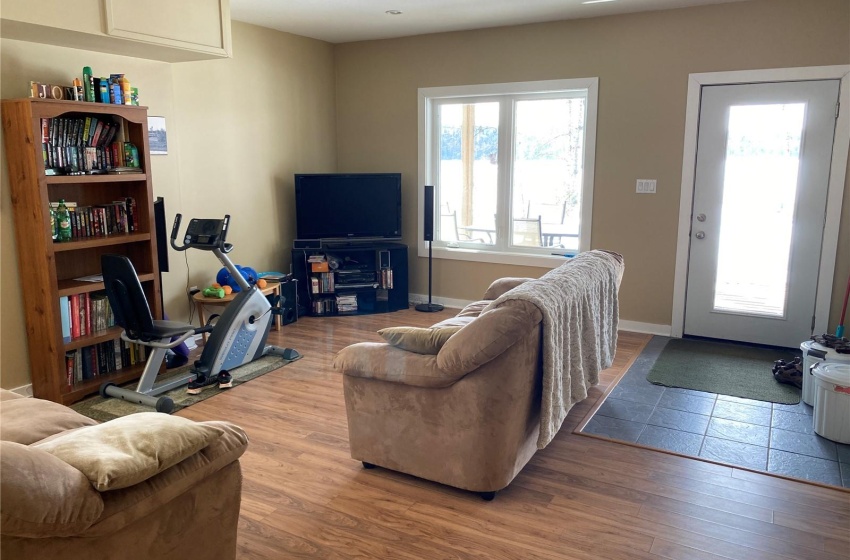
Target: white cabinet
point(199, 25)
point(167, 30)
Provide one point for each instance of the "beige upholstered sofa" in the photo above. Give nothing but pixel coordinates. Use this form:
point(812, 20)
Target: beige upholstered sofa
point(50, 509)
point(463, 406)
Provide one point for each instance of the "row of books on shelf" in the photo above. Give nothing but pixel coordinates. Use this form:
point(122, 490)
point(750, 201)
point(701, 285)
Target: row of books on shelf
point(85, 144)
point(120, 216)
point(343, 303)
point(85, 314)
point(89, 362)
point(322, 283)
point(346, 303)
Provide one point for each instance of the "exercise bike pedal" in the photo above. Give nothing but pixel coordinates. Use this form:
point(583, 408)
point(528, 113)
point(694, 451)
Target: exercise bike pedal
point(224, 381)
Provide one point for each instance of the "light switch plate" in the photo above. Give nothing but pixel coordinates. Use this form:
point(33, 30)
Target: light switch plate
point(645, 186)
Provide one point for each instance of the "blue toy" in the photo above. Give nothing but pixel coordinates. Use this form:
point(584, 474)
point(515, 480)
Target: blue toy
point(224, 277)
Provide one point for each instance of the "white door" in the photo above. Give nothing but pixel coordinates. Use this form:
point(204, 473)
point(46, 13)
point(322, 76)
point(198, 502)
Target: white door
point(760, 189)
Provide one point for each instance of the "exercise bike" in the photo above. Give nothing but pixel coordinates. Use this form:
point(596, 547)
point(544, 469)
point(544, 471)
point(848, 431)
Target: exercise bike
point(237, 337)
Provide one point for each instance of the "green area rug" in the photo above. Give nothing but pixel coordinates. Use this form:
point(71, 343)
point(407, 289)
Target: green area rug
point(102, 410)
point(726, 369)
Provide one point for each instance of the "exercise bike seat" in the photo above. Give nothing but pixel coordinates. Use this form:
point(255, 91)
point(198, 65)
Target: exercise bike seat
point(167, 329)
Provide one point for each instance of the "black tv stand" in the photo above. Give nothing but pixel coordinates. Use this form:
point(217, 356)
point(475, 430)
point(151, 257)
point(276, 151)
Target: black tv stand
point(351, 277)
point(331, 245)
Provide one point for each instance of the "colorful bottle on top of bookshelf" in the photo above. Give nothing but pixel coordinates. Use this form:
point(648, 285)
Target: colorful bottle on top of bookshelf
point(88, 84)
point(63, 217)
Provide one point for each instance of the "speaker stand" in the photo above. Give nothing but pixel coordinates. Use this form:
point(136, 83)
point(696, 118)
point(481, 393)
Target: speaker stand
point(429, 307)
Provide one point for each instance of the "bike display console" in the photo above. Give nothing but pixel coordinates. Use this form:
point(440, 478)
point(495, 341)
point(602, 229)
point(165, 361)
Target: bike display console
point(355, 278)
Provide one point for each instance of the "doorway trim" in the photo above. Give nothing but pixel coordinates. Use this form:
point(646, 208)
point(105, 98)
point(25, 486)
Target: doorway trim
point(835, 193)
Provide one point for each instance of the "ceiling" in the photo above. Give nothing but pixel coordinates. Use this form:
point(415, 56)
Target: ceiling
point(342, 21)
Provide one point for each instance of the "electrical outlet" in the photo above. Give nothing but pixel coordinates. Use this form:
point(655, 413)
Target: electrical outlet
point(645, 186)
point(194, 290)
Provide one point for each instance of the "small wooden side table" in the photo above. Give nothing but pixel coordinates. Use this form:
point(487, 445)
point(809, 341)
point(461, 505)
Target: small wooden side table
point(201, 302)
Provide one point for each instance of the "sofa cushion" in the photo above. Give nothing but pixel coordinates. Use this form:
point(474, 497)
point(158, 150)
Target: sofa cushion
point(474, 309)
point(456, 321)
point(493, 332)
point(26, 420)
point(419, 340)
point(130, 449)
point(43, 496)
point(503, 285)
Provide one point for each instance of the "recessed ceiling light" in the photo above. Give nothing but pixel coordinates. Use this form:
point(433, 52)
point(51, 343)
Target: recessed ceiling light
point(597, 1)
point(397, 12)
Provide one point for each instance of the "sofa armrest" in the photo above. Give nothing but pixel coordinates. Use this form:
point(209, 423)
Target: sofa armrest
point(43, 496)
point(380, 361)
point(503, 285)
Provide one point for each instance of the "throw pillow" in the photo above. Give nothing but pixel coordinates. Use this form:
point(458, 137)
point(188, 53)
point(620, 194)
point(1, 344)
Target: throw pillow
point(419, 340)
point(131, 449)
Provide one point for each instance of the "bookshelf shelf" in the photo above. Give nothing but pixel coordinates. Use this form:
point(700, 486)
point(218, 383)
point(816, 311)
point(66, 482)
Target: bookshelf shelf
point(96, 338)
point(47, 269)
point(86, 179)
point(84, 388)
point(71, 287)
point(101, 241)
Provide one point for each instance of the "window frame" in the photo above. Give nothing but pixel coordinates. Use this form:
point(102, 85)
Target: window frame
point(430, 98)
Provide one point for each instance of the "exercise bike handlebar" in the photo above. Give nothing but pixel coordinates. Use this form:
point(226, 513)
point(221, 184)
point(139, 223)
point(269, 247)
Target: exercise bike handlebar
point(204, 234)
point(208, 235)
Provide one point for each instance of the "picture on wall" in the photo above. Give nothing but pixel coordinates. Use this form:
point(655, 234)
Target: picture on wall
point(157, 136)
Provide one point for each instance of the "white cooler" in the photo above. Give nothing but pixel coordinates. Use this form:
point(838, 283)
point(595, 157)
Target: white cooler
point(832, 401)
point(832, 356)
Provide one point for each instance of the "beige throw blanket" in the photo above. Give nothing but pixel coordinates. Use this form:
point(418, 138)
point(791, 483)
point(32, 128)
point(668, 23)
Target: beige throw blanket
point(578, 301)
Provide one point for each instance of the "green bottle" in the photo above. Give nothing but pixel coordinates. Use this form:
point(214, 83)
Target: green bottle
point(63, 216)
point(54, 232)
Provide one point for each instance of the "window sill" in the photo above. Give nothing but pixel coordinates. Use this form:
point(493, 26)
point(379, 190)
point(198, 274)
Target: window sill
point(473, 255)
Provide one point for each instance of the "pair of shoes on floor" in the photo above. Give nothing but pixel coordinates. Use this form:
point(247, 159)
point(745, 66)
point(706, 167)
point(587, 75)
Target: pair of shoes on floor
point(839, 344)
point(789, 372)
point(224, 381)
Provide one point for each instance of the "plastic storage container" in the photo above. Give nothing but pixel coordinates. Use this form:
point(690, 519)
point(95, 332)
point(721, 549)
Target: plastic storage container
point(808, 392)
point(832, 401)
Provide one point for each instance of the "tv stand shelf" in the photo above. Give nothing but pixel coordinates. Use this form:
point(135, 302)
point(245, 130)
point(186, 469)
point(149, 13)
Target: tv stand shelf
point(369, 276)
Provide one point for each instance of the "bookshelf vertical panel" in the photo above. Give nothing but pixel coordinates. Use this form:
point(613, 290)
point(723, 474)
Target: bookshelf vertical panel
point(35, 252)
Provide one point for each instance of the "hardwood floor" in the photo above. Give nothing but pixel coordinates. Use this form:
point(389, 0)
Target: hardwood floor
point(580, 498)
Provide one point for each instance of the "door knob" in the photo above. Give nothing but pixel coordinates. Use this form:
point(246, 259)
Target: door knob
point(701, 217)
point(700, 235)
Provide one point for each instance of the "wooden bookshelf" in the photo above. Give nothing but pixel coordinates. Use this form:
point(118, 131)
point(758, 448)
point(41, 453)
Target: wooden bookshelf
point(47, 269)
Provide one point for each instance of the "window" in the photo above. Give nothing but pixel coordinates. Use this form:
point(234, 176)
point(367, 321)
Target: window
point(512, 167)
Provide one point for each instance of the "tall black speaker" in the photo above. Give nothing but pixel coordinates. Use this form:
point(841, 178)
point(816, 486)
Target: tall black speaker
point(428, 234)
point(161, 235)
point(428, 213)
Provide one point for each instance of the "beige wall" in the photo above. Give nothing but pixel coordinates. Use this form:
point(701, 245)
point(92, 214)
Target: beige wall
point(237, 131)
point(642, 61)
point(248, 124)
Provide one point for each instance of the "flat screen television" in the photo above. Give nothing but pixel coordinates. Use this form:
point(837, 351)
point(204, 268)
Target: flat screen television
point(348, 206)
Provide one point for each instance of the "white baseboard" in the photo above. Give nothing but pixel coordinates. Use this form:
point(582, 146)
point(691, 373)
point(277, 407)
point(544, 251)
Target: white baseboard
point(646, 328)
point(24, 390)
point(632, 326)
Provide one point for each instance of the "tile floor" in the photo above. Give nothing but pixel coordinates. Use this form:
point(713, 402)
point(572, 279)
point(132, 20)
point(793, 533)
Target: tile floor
point(759, 435)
